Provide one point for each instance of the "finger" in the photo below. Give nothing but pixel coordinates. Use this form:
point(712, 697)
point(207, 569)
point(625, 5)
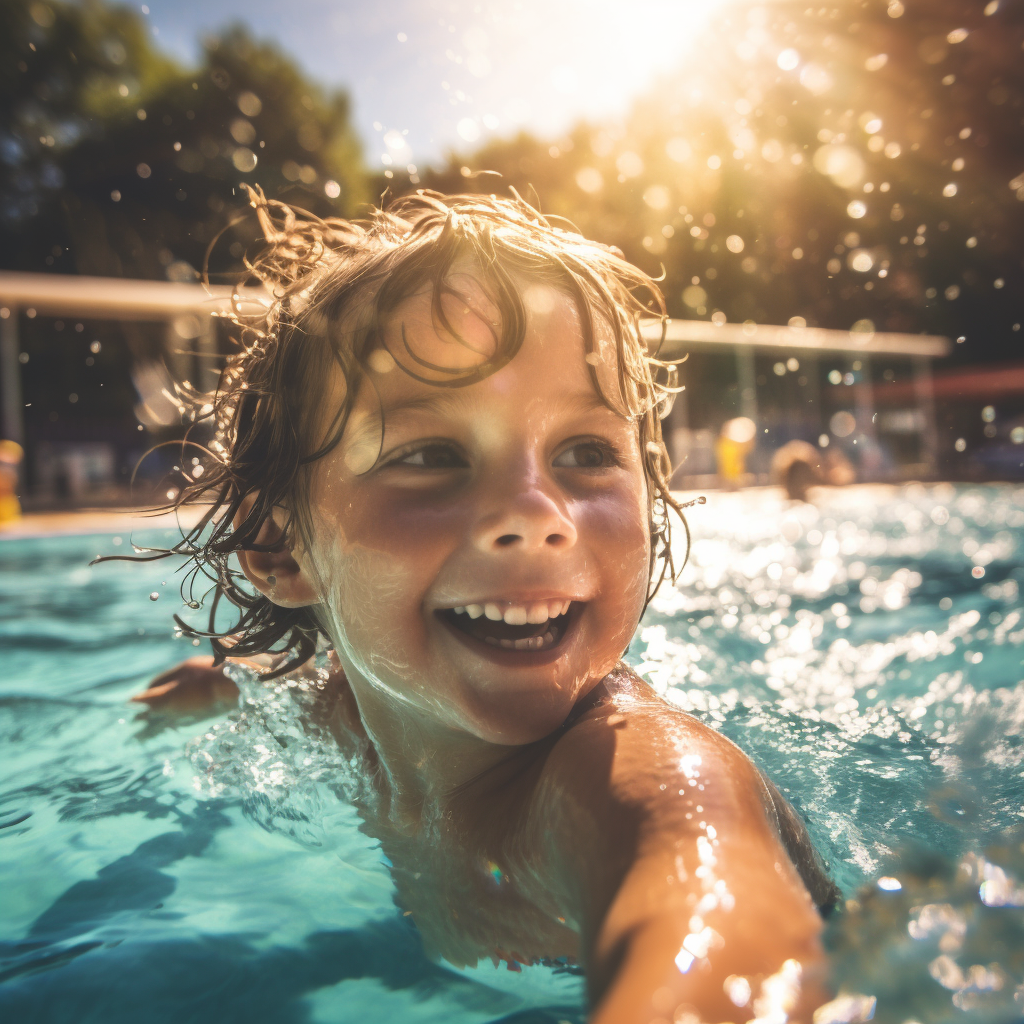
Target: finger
point(155, 693)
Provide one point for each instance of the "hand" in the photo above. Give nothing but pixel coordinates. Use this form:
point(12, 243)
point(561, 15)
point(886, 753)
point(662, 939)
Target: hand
point(192, 687)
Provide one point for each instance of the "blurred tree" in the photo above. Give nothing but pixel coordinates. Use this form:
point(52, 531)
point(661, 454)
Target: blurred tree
point(856, 162)
point(115, 161)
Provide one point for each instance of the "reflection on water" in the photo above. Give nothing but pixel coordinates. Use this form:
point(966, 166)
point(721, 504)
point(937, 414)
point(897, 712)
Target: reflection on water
point(866, 651)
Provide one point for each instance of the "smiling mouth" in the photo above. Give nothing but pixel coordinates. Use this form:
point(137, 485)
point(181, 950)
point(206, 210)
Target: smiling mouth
point(490, 625)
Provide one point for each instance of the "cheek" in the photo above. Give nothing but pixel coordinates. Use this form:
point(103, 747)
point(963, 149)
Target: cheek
point(367, 596)
point(618, 526)
point(372, 563)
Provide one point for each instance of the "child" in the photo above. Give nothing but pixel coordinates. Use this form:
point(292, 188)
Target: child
point(440, 450)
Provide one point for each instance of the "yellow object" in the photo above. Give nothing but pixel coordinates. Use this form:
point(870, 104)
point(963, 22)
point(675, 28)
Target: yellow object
point(10, 509)
point(732, 448)
point(732, 459)
point(11, 454)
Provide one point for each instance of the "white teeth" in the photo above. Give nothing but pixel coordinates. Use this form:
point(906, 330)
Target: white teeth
point(548, 637)
point(508, 644)
point(537, 613)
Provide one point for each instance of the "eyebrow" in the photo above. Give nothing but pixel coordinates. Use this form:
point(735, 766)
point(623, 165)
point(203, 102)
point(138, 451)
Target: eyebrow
point(441, 400)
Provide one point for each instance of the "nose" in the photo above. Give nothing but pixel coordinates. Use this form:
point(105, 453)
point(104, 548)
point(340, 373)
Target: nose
point(527, 515)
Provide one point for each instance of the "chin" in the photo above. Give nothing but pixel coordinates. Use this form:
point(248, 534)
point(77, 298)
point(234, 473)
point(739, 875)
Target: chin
point(515, 715)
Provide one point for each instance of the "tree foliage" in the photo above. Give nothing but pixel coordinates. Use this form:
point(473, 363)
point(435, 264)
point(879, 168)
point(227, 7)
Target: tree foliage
point(114, 160)
point(856, 162)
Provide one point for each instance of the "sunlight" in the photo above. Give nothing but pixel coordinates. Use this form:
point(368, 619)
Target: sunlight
point(524, 76)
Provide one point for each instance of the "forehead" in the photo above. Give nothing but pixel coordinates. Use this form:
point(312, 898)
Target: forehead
point(548, 383)
point(436, 347)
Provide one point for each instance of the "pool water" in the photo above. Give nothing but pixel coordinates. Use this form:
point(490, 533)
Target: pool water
point(867, 652)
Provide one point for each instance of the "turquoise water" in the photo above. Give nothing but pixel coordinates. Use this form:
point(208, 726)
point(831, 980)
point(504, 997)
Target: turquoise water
point(866, 652)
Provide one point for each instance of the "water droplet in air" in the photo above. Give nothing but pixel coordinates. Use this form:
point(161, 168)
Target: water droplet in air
point(788, 59)
point(155, 596)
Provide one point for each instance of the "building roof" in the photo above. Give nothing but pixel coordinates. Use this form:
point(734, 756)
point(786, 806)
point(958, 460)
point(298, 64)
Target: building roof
point(112, 298)
point(115, 298)
point(682, 335)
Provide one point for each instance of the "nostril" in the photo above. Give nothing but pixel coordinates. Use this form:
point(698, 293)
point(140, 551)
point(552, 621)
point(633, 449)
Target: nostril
point(507, 539)
point(555, 539)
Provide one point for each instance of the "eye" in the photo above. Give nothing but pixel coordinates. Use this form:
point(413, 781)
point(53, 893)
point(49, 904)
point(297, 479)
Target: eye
point(433, 455)
point(589, 454)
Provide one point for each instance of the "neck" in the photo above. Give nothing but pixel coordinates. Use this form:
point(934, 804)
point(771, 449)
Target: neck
point(424, 761)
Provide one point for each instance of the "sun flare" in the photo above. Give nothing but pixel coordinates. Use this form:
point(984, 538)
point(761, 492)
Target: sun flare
point(544, 65)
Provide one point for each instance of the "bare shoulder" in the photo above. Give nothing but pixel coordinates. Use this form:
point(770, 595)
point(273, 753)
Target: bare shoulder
point(634, 776)
point(631, 746)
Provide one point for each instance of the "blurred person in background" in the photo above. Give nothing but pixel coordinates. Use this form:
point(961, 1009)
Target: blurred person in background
point(11, 454)
point(735, 442)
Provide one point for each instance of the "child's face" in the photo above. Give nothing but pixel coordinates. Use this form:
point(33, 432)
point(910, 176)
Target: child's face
point(518, 495)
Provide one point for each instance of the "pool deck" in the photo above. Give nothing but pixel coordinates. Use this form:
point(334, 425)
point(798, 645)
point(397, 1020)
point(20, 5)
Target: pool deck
point(48, 524)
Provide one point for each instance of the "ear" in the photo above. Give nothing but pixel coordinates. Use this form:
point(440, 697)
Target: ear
point(275, 574)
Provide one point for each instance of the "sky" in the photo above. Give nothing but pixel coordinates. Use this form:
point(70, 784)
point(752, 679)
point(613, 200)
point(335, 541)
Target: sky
point(431, 77)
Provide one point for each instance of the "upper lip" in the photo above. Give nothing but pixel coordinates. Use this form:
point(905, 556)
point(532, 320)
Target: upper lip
point(505, 600)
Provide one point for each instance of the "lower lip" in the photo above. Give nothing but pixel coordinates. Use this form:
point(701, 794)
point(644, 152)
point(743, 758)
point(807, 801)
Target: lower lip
point(513, 658)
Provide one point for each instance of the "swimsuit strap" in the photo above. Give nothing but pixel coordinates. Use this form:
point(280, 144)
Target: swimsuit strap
point(792, 832)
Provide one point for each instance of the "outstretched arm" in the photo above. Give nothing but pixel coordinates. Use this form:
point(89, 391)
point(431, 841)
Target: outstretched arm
point(191, 687)
point(686, 900)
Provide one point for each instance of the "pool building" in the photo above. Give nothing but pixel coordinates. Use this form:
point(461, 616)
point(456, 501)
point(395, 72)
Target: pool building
point(871, 394)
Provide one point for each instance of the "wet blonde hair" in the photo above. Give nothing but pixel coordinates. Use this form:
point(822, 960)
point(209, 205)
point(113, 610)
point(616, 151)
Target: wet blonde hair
point(332, 283)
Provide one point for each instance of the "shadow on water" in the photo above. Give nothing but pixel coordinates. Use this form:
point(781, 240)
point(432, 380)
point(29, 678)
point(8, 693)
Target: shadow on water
point(106, 977)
